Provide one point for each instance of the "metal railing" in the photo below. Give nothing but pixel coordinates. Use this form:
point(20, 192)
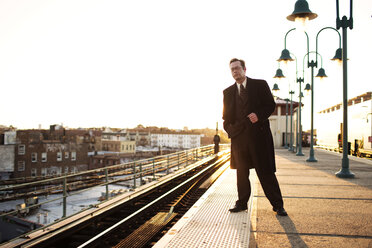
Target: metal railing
point(119, 178)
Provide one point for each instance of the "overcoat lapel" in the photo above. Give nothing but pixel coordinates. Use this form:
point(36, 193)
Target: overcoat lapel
point(232, 100)
point(251, 95)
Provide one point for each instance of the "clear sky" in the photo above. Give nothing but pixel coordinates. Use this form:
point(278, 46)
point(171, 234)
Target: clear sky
point(93, 63)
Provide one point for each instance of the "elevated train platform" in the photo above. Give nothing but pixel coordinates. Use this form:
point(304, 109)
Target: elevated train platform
point(323, 210)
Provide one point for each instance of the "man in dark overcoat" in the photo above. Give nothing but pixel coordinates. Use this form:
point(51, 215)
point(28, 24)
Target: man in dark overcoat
point(247, 105)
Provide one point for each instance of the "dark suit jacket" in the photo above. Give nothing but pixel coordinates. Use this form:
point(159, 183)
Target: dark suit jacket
point(244, 134)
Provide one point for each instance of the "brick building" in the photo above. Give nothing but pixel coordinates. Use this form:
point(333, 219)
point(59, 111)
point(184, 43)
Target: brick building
point(53, 152)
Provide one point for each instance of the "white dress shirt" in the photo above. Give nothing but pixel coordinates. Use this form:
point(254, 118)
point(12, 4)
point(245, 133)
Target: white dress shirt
point(244, 84)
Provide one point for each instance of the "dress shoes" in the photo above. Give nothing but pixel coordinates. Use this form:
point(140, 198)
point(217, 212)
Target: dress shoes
point(238, 208)
point(280, 211)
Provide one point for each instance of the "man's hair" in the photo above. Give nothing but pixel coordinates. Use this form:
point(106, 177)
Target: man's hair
point(240, 60)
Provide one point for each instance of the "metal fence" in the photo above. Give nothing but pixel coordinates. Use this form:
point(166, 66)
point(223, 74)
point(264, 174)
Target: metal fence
point(109, 181)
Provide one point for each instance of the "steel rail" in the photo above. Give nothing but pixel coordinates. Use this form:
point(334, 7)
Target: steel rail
point(49, 231)
point(223, 159)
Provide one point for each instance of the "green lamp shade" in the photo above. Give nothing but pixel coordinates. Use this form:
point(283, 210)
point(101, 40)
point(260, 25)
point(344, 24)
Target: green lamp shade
point(321, 73)
point(285, 56)
point(307, 87)
point(301, 11)
point(301, 95)
point(279, 74)
point(275, 87)
point(338, 55)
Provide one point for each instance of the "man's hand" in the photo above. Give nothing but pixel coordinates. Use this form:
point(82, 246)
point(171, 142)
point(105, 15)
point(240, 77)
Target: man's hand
point(253, 117)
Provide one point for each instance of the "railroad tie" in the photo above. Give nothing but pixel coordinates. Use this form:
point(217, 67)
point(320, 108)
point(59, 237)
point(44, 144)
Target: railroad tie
point(144, 233)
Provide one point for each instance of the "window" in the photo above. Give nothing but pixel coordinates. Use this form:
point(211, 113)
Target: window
point(21, 165)
point(33, 172)
point(59, 156)
point(66, 170)
point(34, 157)
point(43, 171)
point(43, 157)
point(67, 155)
point(21, 149)
point(73, 156)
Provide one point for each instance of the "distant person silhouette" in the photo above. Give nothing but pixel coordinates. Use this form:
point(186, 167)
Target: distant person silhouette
point(216, 140)
point(247, 105)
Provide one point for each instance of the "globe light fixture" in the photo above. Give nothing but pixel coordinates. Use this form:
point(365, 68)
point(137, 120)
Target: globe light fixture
point(285, 56)
point(321, 74)
point(275, 88)
point(302, 14)
point(279, 74)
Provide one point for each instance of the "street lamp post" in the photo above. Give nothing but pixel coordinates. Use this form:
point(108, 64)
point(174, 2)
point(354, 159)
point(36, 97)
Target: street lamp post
point(296, 146)
point(344, 24)
point(286, 56)
point(297, 133)
point(321, 73)
point(311, 158)
point(302, 11)
point(286, 123)
point(291, 124)
point(279, 75)
point(298, 121)
point(299, 80)
point(299, 150)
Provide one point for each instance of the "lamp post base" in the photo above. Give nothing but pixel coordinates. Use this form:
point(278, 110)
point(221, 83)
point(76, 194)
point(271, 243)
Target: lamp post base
point(299, 152)
point(311, 155)
point(311, 159)
point(344, 173)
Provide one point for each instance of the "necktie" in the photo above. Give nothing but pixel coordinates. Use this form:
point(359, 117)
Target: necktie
point(242, 92)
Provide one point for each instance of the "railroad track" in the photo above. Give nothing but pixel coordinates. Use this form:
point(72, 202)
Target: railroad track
point(140, 221)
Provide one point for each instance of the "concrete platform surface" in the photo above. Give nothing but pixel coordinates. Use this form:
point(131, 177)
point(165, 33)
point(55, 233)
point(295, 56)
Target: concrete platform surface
point(323, 210)
point(209, 223)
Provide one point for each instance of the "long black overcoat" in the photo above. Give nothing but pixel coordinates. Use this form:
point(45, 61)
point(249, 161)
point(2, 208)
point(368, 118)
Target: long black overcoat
point(244, 133)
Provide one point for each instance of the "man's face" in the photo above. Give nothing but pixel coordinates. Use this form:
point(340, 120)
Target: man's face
point(237, 71)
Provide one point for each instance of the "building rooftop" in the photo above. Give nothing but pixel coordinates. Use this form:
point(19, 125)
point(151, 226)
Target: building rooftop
point(358, 99)
point(279, 101)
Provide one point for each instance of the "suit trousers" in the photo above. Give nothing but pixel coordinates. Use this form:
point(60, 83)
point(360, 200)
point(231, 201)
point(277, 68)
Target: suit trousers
point(268, 182)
